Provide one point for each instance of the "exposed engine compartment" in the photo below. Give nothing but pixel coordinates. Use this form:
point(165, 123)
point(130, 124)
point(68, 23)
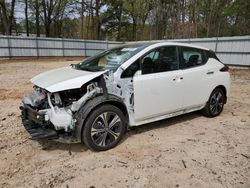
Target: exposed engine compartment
point(56, 110)
point(39, 99)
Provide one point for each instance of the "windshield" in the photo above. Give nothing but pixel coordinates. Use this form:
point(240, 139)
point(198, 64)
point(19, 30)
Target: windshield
point(110, 59)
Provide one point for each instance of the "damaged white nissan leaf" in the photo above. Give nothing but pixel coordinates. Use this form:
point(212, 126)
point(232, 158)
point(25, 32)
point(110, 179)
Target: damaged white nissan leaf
point(97, 100)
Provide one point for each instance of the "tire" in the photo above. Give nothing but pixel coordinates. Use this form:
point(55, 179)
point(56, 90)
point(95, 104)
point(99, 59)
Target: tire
point(104, 128)
point(215, 103)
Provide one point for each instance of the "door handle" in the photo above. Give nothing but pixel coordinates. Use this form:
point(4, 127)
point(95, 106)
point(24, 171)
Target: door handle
point(210, 72)
point(176, 78)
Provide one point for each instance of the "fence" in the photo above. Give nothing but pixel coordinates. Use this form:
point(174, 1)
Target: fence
point(15, 46)
point(231, 50)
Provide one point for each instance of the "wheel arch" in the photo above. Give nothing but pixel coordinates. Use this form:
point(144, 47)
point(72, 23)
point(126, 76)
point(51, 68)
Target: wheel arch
point(206, 110)
point(82, 115)
point(223, 88)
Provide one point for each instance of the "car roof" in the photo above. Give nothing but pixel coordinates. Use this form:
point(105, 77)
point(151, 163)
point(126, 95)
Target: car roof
point(161, 43)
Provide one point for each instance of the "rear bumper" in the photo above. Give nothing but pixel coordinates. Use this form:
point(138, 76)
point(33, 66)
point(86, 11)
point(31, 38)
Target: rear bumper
point(40, 129)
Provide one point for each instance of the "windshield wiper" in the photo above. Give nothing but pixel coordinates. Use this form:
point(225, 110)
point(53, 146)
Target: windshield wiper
point(78, 67)
point(87, 69)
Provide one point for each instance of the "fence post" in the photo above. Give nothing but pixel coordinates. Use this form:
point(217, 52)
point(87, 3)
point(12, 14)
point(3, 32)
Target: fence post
point(37, 48)
point(216, 44)
point(9, 46)
point(107, 43)
point(63, 46)
point(85, 50)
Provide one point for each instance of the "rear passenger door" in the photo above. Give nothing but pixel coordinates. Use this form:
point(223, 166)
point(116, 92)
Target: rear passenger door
point(195, 79)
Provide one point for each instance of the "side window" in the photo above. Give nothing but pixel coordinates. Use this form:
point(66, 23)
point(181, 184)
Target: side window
point(193, 57)
point(160, 60)
point(131, 70)
point(153, 55)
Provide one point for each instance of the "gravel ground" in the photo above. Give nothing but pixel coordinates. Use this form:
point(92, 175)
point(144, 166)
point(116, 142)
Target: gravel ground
point(185, 151)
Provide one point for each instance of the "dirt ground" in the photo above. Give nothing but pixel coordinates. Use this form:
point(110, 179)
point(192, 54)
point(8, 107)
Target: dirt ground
point(185, 151)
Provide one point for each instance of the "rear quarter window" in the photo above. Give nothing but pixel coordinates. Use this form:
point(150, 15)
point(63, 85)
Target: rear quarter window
point(193, 57)
point(211, 54)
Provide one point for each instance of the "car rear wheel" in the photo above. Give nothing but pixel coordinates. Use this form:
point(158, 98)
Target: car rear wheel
point(215, 103)
point(104, 128)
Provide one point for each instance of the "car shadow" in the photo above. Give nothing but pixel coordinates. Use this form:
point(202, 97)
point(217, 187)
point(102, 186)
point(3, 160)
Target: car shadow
point(161, 124)
point(51, 145)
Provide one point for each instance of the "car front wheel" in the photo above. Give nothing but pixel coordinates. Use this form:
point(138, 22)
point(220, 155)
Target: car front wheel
point(215, 103)
point(104, 128)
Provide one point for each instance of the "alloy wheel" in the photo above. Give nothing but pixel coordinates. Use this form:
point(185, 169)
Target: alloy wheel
point(216, 103)
point(106, 129)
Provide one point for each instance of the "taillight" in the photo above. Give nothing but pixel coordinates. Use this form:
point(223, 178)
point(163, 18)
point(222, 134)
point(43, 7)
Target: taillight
point(224, 69)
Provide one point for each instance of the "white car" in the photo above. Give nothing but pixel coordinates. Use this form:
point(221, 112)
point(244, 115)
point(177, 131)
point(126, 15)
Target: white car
point(97, 100)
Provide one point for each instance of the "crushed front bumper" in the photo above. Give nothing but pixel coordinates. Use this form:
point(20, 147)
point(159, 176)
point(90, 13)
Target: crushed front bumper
point(40, 129)
point(36, 125)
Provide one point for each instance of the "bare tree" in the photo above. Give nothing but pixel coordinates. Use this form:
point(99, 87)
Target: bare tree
point(82, 18)
point(127, 20)
point(47, 13)
point(7, 16)
point(53, 11)
point(37, 13)
point(26, 17)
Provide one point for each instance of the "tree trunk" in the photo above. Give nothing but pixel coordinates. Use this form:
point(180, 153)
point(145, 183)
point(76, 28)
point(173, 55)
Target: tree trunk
point(45, 18)
point(134, 28)
point(2, 26)
point(195, 19)
point(7, 18)
point(26, 17)
point(209, 17)
point(87, 26)
point(92, 20)
point(12, 9)
point(183, 5)
point(98, 24)
point(82, 19)
point(120, 21)
point(37, 18)
point(47, 11)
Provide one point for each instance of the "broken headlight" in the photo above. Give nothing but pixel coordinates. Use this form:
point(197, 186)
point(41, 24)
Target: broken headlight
point(36, 98)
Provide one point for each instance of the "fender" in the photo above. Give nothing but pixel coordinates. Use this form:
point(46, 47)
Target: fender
point(82, 114)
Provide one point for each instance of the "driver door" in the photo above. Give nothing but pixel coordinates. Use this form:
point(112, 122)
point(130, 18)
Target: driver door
point(158, 90)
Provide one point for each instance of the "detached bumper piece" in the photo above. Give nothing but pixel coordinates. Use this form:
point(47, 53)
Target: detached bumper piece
point(35, 124)
point(40, 133)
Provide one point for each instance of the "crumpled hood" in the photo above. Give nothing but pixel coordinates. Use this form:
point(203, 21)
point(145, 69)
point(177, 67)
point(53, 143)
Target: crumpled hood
point(63, 79)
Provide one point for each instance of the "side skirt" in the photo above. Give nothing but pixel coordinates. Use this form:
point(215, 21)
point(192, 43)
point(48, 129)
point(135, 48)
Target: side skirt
point(165, 116)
